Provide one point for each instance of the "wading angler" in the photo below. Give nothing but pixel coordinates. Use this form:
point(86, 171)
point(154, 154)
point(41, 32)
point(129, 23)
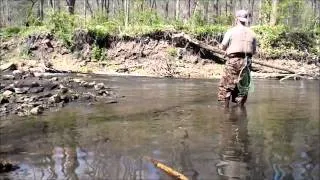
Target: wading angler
point(239, 43)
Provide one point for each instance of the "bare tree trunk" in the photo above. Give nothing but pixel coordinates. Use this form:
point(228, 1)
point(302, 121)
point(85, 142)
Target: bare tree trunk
point(108, 8)
point(206, 10)
point(1, 23)
point(240, 4)
point(274, 12)
point(41, 9)
point(58, 5)
point(8, 12)
point(189, 8)
point(226, 7)
point(71, 4)
point(167, 9)
point(126, 7)
point(232, 6)
point(216, 7)
point(51, 3)
point(154, 5)
point(177, 10)
point(98, 5)
point(113, 8)
point(85, 9)
point(89, 7)
point(260, 12)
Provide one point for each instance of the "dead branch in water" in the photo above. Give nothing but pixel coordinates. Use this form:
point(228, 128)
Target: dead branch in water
point(171, 172)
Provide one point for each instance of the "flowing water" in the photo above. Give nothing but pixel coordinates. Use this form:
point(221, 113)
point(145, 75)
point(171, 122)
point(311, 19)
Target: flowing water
point(177, 122)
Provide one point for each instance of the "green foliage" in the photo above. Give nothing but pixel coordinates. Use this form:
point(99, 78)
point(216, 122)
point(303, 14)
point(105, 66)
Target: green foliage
point(34, 21)
point(207, 30)
point(224, 19)
point(25, 52)
point(63, 25)
point(9, 32)
point(280, 41)
point(99, 53)
point(197, 19)
point(172, 51)
point(34, 30)
point(147, 17)
point(265, 12)
point(269, 35)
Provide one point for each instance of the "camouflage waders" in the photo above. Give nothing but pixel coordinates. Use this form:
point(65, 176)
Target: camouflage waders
point(235, 81)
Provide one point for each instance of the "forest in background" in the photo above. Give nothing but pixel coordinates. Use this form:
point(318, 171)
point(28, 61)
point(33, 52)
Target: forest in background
point(282, 26)
point(292, 13)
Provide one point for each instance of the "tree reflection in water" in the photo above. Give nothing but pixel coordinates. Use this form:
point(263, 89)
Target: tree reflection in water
point(234, 155)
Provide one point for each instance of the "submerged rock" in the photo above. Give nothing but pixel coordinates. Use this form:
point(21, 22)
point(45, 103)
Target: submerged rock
point(36, 90)
point(99, 86)
point(37, 110)
point(3, 100)
point(17, 73)
point(55, 99)
point(8, 77)
point(21, 90)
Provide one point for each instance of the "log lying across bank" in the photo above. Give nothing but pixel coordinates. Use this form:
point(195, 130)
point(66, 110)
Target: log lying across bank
point(220, 54)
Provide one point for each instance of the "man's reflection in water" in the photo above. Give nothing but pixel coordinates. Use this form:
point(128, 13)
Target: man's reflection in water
point(234, 145)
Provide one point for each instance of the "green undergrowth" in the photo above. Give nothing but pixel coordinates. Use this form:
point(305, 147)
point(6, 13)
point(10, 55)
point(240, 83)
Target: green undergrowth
point(274, 41)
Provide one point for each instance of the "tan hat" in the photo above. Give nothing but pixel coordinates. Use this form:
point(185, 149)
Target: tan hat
point(242, 15)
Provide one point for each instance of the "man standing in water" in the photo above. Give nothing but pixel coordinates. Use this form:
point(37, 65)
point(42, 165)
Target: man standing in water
point(239, 43)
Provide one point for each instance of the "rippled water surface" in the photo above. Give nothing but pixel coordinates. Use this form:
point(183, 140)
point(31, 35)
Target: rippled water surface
point(177, 122)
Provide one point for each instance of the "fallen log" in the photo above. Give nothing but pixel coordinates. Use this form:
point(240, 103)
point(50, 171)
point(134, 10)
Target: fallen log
point(220, 53)
point(273, 66)
point(217, 52)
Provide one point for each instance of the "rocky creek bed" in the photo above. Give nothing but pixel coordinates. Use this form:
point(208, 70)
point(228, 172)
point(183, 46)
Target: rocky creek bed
point(25, 93)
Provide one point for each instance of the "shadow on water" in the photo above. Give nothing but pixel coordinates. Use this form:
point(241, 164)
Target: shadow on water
point(177, 122)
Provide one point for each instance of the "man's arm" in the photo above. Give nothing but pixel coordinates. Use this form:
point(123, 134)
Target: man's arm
point(226, 40)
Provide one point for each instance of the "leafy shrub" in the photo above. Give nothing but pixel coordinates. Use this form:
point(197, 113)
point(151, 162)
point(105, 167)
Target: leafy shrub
point(63, 25)
point(99, 53)
point(172, 51)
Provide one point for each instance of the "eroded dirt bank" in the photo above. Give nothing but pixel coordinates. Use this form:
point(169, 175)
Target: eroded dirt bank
point(155, 54)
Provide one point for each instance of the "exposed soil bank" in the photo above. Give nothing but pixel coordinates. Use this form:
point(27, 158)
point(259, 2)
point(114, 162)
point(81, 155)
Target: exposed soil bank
point(154, 54)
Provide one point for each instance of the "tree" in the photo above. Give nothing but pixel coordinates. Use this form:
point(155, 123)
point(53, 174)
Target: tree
point(274, 12)
point(206, 10)
point(70, 4)
point(41, 15)
point(177, 11)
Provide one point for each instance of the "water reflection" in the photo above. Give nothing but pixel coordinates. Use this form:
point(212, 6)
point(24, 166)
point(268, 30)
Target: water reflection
point(234, 145)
